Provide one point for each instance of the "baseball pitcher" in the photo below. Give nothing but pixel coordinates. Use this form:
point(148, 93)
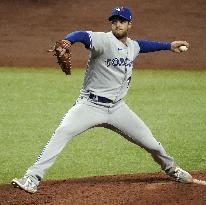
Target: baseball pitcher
point(101, 101)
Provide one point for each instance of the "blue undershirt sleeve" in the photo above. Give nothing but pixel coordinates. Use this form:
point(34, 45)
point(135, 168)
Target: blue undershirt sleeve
point(79, 36)
point(152, 46)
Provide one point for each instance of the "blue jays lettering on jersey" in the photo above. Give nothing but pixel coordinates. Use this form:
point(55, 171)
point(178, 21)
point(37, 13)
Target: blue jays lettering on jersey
point(119, 62)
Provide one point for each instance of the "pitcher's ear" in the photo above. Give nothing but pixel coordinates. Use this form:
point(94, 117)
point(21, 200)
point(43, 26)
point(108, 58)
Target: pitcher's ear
point(130, 24)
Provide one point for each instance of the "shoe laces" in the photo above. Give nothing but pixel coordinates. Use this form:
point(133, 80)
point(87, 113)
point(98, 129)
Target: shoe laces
point(177, 173)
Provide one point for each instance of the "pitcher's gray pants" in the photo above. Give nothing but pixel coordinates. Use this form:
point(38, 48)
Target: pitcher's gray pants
point(86, 114)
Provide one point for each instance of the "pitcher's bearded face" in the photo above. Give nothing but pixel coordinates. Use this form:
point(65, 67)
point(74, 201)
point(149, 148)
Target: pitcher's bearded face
point(120, 27)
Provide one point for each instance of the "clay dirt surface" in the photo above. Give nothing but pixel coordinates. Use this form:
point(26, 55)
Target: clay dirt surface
point(144, 189)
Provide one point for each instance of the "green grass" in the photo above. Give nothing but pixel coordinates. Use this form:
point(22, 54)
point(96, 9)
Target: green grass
point(172, 103)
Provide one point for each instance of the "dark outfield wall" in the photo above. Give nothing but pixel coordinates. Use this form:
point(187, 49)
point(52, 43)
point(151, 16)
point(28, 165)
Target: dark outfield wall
point(29, 27)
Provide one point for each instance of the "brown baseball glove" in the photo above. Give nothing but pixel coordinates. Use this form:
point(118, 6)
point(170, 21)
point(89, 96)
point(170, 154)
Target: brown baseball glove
point(62, 51)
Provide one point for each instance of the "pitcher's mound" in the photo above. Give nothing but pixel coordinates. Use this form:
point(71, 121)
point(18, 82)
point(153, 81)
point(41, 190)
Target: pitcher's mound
point(144, 189)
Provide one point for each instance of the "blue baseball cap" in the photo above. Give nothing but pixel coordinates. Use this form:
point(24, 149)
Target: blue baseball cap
point(122, 12)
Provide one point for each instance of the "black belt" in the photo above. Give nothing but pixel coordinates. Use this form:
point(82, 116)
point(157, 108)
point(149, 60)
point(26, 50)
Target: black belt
point(100, 99)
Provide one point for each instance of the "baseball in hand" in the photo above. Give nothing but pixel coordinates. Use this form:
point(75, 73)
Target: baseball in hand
point(183, 48)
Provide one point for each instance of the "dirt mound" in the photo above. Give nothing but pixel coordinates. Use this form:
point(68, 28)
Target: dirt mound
point(144, 189)
point(29, 27)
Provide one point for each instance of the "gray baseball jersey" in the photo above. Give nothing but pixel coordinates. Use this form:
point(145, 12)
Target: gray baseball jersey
point(108, 75)
point(110, 65)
